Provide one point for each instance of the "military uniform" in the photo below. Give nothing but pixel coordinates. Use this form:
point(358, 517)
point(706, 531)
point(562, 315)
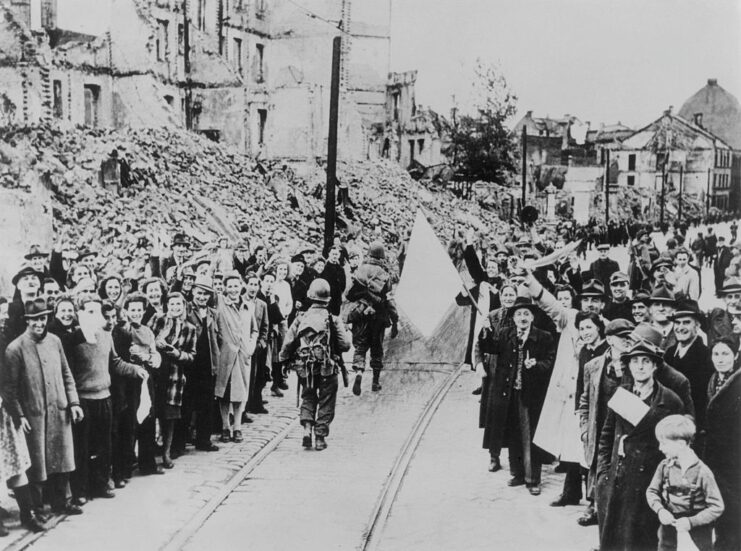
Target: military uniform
point(371, 313)
point(314, 335)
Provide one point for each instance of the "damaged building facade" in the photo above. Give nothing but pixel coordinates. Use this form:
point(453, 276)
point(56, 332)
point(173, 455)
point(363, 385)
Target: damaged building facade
point(257, 79)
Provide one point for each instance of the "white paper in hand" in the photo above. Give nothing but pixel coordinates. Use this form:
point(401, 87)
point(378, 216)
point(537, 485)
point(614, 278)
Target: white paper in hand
point(684, 542)
point(145, 404)
point(628, 406)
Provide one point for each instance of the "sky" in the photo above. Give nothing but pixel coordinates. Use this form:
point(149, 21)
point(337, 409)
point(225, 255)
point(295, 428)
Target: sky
point(601, 60)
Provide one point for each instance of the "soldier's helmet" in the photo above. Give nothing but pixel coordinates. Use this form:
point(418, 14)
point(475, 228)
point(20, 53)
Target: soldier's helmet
point(377, 251)
point(319, 291)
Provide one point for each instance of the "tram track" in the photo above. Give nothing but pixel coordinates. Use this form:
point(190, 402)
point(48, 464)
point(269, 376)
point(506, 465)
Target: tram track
point(372, 535)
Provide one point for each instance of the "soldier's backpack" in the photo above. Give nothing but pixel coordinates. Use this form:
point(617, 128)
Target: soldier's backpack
point(314, 353)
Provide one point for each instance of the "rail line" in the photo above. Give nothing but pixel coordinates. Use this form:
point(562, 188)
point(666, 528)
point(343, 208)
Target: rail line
point(380, 512)
point(372, 535)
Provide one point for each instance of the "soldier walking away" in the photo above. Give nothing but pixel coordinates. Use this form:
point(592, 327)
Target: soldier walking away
point(371, 313)
point(313, 346)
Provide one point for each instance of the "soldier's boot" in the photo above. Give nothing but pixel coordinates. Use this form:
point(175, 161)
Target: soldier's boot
point(356, 384)
point(321, 444)
point(306, 441)
point(376, 384)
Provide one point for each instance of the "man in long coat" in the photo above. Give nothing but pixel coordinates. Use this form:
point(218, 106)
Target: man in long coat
point(260, 373)
point(520, 381)
point(39, 393)
point(237, 331)
point(627, 456)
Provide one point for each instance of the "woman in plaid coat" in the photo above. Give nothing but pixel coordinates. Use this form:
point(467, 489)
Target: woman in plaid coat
point(175, 339)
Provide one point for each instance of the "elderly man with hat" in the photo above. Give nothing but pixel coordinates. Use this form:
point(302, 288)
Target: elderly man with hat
point(180, 253)
point(604, 266)
point(371, 313)
point(691, 357)
point(686, 276)
point(558, 433)
point(39, 393)
point(198, 394)
point(720, 319)
point(314, 341)
point(628, 453)
point(602, 376)
point(661, 305)
point(619, 305)
point(519, 385)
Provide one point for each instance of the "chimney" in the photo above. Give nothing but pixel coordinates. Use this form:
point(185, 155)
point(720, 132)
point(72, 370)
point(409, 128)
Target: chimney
point(712, 82)
point(698, 119)
point(49, 14)
point(22, 11)
point(529, 115)
point(668, 112)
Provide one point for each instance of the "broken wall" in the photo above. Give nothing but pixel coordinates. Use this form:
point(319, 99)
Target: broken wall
point(25, 218)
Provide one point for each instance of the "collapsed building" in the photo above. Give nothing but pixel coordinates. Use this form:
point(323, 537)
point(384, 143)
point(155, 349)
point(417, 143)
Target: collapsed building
point(252, 74)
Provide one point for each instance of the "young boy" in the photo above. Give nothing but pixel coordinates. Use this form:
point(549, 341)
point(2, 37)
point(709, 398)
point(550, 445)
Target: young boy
point(683, 492)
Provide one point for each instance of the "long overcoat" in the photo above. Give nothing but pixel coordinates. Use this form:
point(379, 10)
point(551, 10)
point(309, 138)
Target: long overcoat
point(38, 384)
point(538, 345)
point(559, 434)
point(723, 445)
point(238, 333)
point(628, 522)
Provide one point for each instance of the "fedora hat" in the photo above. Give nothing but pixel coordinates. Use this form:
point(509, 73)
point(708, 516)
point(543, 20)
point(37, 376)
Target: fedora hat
point(642, 348)
point(688, 307)
point(593, 288)
point(34, 251)
point(731, 285)
point(662, 294)
point(26, 269)
point(180, 239)
point(85, 253)
point(205, 283)
point(36, 308)
point(645, 332)
point(522, 302)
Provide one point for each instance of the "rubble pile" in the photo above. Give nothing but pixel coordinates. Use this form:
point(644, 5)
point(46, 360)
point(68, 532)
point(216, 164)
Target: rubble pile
point(180, 181)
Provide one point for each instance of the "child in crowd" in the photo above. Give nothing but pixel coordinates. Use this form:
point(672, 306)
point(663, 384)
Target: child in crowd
point(683, 492)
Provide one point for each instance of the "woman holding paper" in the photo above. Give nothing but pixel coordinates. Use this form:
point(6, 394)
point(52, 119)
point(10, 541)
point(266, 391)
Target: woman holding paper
point(628, 452)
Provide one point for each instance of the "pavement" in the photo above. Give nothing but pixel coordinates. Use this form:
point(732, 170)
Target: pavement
point(151, 510)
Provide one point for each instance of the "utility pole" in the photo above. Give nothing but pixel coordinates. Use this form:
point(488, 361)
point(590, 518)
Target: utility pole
point(707, 197)
point(606, 175)
point(186, 66)
point(221, 27)
point(663, 188)
point(681, 192)
point(524, 166)
point(334, 107)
